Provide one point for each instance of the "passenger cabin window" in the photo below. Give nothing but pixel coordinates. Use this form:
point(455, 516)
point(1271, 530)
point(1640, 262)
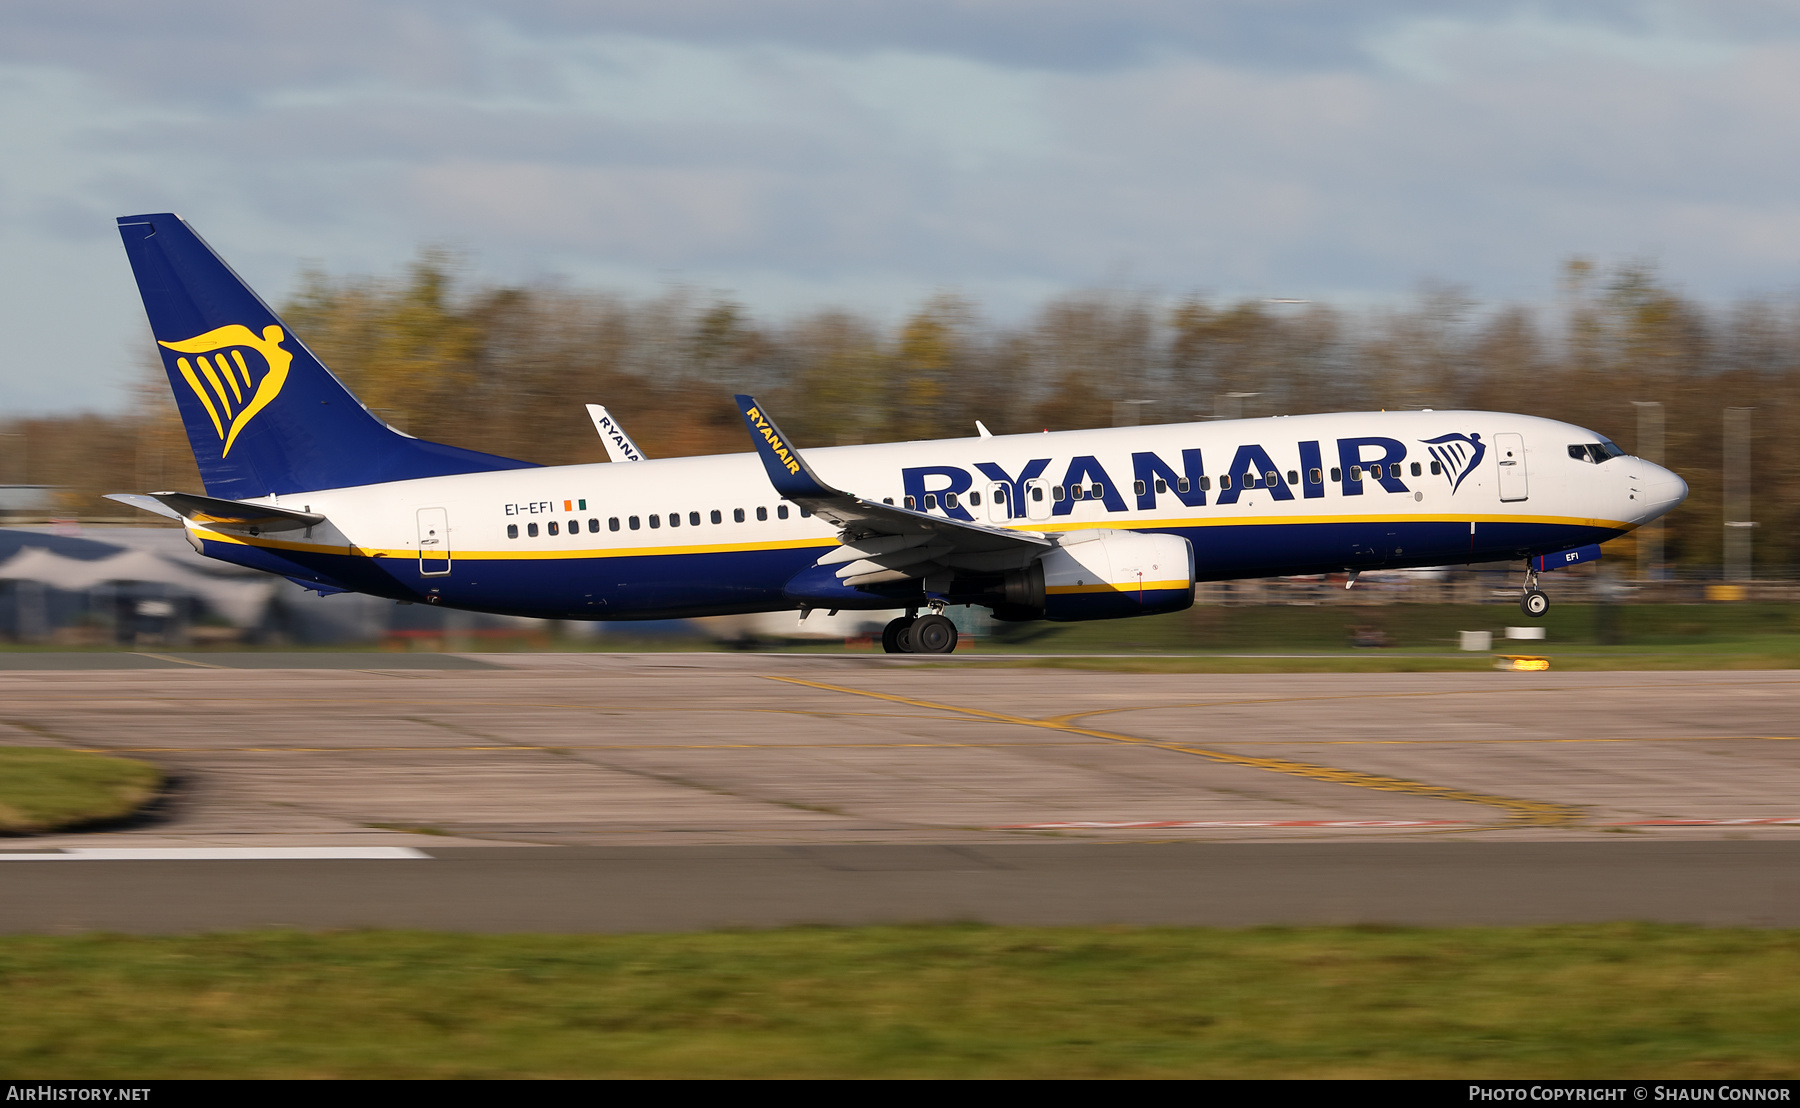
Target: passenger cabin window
point(694, 519)
point(1374, 472)
point(574, 527)
point(737, 514)
point(531, 530)
point(887, 500)
point(974, 500)
point(930, 501)
point(804, 514)
point(718, 516)
point(1137, 488)
point(1415, 469)
point(1293, 477)
point(1337, 474)
point(593, 527)
point(612, 524)
point(1037, 493)
point(552, 526)
point(1249, 480)
point(949, 500)
point(781, 511)
point(1437, 467)
point(762, 514)
point(999, 495)
point(1077, 492)
point(1314, 477)
point(632, 522)
point(911, 504)
point(1058, 493)
point(1205, 484)
point(1224, 480)
point(1098, 493)
point(512, 530)
point(1355, 473)
point(1271, 478)
point(655, 522)
point(1161, 485)
point(674, 519)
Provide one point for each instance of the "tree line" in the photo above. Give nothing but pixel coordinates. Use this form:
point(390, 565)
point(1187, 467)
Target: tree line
point(508, 369)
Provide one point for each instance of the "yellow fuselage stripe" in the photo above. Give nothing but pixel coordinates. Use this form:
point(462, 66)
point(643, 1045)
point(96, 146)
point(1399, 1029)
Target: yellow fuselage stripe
point(822, 541)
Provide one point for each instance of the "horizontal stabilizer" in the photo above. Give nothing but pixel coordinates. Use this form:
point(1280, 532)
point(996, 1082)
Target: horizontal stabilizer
point(214, 512)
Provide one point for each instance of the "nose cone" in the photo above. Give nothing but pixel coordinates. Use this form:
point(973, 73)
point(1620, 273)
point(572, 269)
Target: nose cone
point(1658, 491)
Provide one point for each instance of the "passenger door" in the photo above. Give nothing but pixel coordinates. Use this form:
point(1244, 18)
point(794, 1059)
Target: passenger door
point(1511, 460)
point(1037, 499)
point(999, 497)
point(434, 542)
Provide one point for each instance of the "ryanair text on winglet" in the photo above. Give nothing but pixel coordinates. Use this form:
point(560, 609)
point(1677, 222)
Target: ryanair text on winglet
point(774, 440)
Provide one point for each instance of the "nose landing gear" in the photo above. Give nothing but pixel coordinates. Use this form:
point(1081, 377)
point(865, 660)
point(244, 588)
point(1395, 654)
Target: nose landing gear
point(1533, 602)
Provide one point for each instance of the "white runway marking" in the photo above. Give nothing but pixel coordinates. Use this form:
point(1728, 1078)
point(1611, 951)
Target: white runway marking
point(215, 854)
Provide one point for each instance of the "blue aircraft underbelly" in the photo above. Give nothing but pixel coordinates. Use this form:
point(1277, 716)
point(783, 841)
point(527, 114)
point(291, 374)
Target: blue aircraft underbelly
point(663, 586)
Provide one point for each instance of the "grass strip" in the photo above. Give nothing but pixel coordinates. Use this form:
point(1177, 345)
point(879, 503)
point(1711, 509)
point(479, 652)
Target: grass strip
point(44, 789)
point(948, 1001)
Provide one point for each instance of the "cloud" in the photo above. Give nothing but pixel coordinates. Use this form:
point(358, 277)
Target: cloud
point(798, 154)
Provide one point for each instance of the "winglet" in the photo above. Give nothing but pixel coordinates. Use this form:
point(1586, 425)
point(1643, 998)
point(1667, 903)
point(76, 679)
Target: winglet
point(788, 472)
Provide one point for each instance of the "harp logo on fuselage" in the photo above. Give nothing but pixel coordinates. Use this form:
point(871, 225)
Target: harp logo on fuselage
point(230, 386)
point(1458, 454)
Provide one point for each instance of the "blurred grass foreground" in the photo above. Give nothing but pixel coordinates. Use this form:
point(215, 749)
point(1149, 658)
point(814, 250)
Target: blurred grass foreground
point(953, 1001)
point(49, 790)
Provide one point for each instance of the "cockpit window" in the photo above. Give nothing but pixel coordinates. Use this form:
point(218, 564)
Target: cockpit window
point(1595, 452)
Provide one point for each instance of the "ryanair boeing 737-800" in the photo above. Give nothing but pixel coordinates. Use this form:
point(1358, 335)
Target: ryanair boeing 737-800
point(302, 480)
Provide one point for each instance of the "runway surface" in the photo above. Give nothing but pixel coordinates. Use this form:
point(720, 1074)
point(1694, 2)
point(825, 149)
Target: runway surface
point(671, 888)
point(676, 790)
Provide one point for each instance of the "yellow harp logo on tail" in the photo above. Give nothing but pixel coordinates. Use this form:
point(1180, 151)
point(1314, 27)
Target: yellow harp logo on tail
point(230, 387)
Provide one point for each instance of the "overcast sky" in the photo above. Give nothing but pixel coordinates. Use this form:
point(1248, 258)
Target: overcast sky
point(807, 153)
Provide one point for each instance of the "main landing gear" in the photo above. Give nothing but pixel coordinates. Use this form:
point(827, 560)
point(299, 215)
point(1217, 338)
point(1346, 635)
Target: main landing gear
point(1533, 603)
point(916, 634)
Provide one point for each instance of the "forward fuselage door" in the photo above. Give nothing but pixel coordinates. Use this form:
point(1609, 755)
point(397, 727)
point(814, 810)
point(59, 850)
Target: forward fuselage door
point(1511, 460)
point(999, 496)
point(434, 542)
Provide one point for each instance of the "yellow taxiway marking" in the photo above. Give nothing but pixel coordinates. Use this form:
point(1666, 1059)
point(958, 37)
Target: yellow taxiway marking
point(557, 747)
point(1528, 812)
point(180, 661)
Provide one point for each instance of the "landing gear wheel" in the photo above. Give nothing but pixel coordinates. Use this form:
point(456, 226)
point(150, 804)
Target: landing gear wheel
point(896, 637)
point(933, 634)
point(1534, 603)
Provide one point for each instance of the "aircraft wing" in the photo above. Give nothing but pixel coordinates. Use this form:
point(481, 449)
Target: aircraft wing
point(619, 447)
point(229, 515)
point(883, 542)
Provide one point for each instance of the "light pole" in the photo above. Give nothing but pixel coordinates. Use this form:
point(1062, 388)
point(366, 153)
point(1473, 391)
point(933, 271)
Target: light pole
point(1650, 449)
point(1738, 525)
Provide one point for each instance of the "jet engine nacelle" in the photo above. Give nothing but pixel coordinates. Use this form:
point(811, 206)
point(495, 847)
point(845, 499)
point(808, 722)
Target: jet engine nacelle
point(1103, 575)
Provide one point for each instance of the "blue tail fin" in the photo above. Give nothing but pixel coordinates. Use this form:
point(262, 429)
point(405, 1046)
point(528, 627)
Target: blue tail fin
point(262, 413)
